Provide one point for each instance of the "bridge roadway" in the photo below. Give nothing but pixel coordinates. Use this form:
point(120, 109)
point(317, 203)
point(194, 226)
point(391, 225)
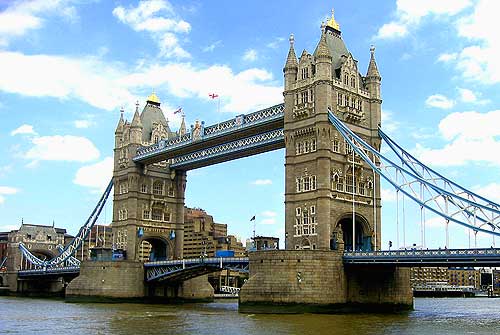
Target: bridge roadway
point(180, 270)
point(241, 136)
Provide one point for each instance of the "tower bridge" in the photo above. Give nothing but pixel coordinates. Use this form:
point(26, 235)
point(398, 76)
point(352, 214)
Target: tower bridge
point(330, 127)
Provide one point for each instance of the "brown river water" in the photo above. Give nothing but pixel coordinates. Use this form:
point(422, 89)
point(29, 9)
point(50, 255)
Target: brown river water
point(431, 316)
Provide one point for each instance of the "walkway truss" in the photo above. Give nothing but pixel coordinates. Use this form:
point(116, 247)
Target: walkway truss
point(429, 189)
point(181, 270)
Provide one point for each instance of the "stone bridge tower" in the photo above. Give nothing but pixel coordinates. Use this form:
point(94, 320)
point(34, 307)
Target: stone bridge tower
point(148, 202)
point(324, 182)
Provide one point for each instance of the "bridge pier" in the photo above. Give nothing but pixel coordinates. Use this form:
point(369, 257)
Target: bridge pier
point(108, 280)
point(290, 281)
point(197, 289)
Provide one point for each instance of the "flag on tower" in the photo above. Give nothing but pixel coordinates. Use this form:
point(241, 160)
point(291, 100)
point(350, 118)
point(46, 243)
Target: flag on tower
point(253, 218)
point(213, 95)
point(179, 110)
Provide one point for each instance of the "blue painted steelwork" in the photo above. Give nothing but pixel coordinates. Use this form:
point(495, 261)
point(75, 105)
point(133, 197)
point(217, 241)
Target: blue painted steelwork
point(180, 270)
point(54, 271)
point(432, 258)
point(68, 251)
point(435, 197)
point(271, 138)
point(235, 125)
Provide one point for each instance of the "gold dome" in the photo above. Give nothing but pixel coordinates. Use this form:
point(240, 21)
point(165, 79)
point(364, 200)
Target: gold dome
point(154, 98)
point(332, 23)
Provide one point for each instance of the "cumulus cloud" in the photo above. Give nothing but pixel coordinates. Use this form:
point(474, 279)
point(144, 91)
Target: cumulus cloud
point(439, 101)
point(25, 129)
point(158, 18)
point(109, 85)
point(409, 14)
point(269, 214)
point(95, 176)
point(388, 195)
point(470, 136)
point(22, 17)
point(261, 182)
point(6, 190)
point(62, 148)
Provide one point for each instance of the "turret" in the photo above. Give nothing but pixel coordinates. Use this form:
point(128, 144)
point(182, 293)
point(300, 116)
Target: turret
point(182, 129)
point(136, 127)
point(119, 129)
point(323, 59)
point(373, 76)
point(291, 66)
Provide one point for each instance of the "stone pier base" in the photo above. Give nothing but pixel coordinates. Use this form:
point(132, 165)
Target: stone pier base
point(106, 280)
point(192, 290)
point(289, 281)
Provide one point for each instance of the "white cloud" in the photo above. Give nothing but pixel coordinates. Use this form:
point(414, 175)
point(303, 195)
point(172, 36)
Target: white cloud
point(6, 190)
point(446, 57)
point(159, 19)
point(392, 30)
point(490, 191)
point(388, 195)
point(250, 55)
point(83, 123)
point(262, 182)
point(479, 60)
point(439, 101)
point(110, 85)
point(62, 148)
point(25, 129)
point(409, 14)
point(269, 214)
point(388, 123)
point(22, 17)
point(87, 79)
point(268, 221)
point(471, 137)
point(467, 95)
point(8, 227)
point(95, 176)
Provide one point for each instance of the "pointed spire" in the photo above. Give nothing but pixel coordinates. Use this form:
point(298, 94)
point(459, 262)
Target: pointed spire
point(136, 121)
point(121, 123)
point(322, 50)
point(182, 129)
point(372, 67)
point(291, 60)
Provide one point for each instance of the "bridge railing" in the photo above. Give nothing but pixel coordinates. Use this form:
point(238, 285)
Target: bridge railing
point(194, 261)
point(425, 253)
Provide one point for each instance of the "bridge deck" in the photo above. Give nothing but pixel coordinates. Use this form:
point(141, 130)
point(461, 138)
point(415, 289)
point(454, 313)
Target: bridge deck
point(427, 258)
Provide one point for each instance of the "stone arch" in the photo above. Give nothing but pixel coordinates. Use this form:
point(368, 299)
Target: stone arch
point(305, 244)
point(154, 248)
point(44, 254)
point(342, 231)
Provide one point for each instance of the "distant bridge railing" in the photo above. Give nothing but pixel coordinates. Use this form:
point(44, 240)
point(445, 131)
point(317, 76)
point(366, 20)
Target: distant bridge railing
point(434, 257)
point(180, 270)
point(62, 270)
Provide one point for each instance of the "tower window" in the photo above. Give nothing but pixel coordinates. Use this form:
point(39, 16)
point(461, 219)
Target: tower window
point(144, 188)
point(146, 214)
point(158, 188)
point(336, 146)
point(313, 145)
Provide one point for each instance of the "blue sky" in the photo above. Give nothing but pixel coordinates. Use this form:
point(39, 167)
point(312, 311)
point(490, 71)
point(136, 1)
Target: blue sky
point(66, 68)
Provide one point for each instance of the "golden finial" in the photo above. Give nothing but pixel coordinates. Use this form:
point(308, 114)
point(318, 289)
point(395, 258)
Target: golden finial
point(154, 98)
point(332, 23)
point(291, 39)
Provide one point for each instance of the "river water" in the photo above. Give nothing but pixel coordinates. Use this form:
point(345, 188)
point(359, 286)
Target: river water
point(431, 316)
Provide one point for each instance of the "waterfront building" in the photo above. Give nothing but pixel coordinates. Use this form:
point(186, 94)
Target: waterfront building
point(424, 275)
point(464, 277)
